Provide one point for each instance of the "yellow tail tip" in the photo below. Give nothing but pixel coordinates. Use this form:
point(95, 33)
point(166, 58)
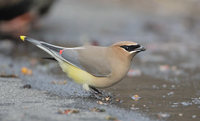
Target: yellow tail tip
point(22, 38)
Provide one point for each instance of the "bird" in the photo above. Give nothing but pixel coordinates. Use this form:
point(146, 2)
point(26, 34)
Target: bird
point(21, 16)
point(94, 67)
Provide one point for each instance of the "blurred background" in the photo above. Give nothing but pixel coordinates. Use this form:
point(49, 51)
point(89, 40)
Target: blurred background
point(166, 76)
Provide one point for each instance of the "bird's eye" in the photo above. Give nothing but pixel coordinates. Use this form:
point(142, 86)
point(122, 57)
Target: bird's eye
point(130, 48)
point(127, 48)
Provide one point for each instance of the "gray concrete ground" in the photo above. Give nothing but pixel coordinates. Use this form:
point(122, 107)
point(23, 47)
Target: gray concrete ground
point(44, 100)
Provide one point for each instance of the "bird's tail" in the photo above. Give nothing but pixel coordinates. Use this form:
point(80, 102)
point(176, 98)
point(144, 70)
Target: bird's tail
point(49, 48)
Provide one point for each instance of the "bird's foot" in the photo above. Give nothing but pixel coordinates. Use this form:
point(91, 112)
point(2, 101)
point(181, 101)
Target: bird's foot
point(106, 98)
point(95, 93)
point(95, 90)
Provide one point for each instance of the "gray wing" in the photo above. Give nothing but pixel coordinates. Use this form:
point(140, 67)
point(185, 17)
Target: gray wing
point(90, 58)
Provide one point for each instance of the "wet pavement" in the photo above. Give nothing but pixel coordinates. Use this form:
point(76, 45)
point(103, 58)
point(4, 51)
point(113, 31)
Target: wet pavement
point(163, 83)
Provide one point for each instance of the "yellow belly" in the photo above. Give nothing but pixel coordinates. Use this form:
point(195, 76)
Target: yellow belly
point(78, 75)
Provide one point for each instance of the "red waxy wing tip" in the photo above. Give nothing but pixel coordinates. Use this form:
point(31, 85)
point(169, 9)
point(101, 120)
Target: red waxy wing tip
point(61, 51)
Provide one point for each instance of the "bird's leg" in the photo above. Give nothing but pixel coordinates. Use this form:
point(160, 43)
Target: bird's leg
point(92, 89)
point(95, 90)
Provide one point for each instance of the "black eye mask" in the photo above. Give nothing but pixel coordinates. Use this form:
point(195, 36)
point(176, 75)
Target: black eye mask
point(130, 48)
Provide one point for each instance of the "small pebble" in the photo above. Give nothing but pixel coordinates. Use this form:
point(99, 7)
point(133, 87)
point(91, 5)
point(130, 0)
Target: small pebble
point(97, 110)
point(59, 82)
point(100, 102)
point(173, 86)
point(194, 116)
point(135, 97)
point(117, 100)
point(26, 71)
point(155, 87)
point(174, 106)
point(180, 114)
point(133, 107)
point(164, 85)
point(170, 93)
point(8, 76)
point(111, 118)
point(134, 72)
point(186, 103)
point(68, 111)
point(163, 115)
point(27, 86)
point(107, 98)
point(196, 101)
point(164, 68)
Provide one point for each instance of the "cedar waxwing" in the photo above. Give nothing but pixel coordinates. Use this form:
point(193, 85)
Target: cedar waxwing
point(93, 66)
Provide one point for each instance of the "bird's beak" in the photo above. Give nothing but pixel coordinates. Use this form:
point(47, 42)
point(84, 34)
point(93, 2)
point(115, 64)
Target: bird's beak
point(141, 48)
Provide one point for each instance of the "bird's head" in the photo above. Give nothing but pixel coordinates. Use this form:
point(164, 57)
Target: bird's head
point(128, 48)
